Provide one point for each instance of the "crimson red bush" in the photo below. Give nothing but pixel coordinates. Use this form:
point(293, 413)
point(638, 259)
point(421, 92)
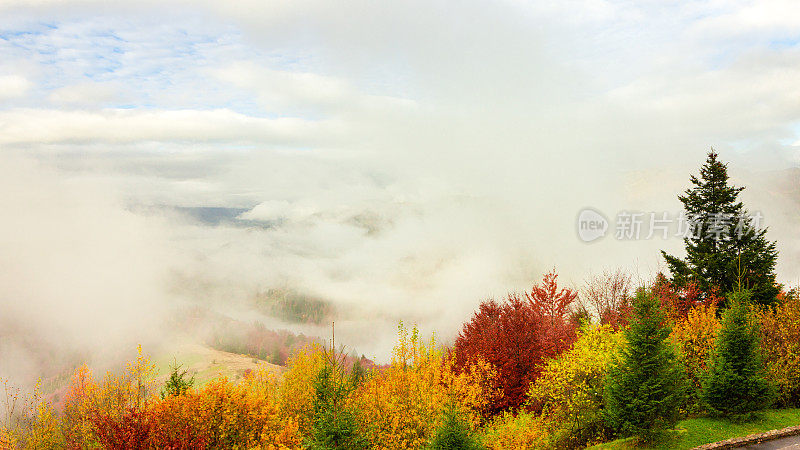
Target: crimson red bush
point(517, 336)
point(129, 432)
point(677, 302)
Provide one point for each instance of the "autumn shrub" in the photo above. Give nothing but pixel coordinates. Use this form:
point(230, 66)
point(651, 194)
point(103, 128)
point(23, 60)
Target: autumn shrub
point(29, 421)
point(401, 406)
point(42, 427)
point(177, 422)
point(225, 415)
point(516, 337)
point(780, 344)
point(296, 395)
point(116, 401)
point(130, 431)
point(111, 409)
point(607, 297)
point(570, 389)
point(676, 302)
point(695, 337)
point(523, 430)
point(6, 440)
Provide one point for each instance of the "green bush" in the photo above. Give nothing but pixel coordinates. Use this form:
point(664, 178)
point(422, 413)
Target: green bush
point(177, 384)
point(454, 433)
point(736, 382)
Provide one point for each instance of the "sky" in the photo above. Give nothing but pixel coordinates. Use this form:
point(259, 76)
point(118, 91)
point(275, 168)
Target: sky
point(403, 160)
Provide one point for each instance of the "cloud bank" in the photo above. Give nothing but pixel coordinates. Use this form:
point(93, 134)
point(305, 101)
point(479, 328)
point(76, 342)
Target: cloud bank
point(403, 160)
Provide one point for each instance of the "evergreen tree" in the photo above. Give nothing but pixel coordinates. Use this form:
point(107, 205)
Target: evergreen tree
point(736, 382)
point(645, 384)
point(358, 374)
point(334, 425)
point(177, 384)
point(724, 249)
point(454, 432)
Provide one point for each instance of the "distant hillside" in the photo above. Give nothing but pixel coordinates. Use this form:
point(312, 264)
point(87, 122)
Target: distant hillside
point(206, 363)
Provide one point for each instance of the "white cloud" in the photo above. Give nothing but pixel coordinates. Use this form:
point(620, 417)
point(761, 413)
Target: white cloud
point(13, 86)
point(285, 91)
point(79, 272)
point(768, 18)
point(85, 94)
point(41, 126)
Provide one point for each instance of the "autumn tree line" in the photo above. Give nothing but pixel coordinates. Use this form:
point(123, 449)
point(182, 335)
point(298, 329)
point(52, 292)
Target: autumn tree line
point(551, 367)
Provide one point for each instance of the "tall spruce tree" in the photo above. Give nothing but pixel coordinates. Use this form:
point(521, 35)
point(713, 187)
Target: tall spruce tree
point(644, 385)
point(724, 248)
point(334, 425)
point(736, 382)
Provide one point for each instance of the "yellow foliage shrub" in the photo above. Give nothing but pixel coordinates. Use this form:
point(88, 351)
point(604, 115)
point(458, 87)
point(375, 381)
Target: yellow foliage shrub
point(226, 415)
point(78, 405)
point(570, 389)
point(41, 427)
point(112, 397)
point(780, 329)
point(296, 394)
point(695, 337)
point(508, 431)
point(401, 406)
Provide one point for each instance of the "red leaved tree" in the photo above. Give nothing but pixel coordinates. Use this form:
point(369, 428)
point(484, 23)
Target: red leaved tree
point(517, 336)
point(677, 302)
point(131, 431)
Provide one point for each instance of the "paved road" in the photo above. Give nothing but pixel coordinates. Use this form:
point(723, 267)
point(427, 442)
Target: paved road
point(787, 443)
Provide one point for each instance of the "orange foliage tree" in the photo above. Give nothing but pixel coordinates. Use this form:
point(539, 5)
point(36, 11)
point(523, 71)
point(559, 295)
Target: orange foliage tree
point(695, 337)
point(225, 415)
point(780, 345)
point(401, 406)
point(116, 403)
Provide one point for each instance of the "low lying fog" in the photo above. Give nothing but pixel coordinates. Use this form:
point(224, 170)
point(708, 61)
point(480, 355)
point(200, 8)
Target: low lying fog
point(402, 161)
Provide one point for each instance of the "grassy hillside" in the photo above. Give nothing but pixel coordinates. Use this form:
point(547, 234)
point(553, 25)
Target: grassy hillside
point(206, 363)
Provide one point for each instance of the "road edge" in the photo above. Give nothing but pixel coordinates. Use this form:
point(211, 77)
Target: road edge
point(752, 439)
